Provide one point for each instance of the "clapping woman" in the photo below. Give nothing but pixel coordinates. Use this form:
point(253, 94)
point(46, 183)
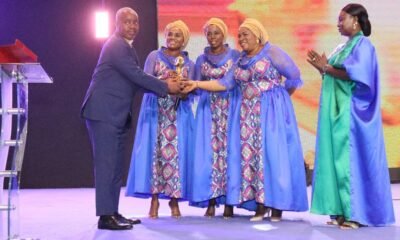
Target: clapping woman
point(351, 178)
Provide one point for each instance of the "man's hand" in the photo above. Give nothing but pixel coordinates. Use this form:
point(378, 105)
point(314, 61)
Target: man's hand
point(173, 85)
point(172, 74)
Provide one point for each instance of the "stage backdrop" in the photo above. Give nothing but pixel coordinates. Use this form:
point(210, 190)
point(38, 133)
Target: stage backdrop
point(62, 34)
point(296, 26)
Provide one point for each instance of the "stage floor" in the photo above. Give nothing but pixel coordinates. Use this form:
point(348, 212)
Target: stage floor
point(69, 214)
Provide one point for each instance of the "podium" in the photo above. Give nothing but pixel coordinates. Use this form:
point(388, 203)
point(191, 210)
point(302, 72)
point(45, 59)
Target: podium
point(18, 68)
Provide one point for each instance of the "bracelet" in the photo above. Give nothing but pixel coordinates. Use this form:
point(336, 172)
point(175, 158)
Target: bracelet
point(324, 68)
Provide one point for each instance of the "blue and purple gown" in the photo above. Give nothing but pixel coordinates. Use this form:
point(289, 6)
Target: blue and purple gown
point(160, 152)
point(264, 138)
point(209, 176)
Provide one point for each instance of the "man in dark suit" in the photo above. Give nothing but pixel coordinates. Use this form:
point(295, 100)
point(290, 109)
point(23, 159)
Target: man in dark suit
point(107, 110)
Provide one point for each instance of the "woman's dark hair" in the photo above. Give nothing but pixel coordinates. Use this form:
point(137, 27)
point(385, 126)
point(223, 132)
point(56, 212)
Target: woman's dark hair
point(359, 11)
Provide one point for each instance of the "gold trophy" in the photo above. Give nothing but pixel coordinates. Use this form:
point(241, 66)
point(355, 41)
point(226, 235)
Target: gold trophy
point(179, 62)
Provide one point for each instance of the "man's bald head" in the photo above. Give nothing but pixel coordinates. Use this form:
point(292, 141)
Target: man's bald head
point(127, 23)
point(123, 11)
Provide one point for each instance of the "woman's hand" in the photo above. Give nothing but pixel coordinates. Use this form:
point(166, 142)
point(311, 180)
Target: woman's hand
point(188, 86)
point(316, 60)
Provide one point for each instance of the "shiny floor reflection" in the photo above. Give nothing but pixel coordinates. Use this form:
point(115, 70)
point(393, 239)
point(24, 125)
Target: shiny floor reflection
point(69, 214)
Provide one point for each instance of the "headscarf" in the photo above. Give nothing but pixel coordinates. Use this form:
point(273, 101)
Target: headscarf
point(219, 23)
point(256, 28)
point(181, 26)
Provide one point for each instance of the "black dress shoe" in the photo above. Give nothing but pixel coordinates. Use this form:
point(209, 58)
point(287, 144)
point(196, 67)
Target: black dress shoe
point(123, 219)
point(112, 223)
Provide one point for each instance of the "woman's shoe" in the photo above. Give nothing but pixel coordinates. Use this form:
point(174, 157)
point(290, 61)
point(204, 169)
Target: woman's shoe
point(350, 225)
point(210, 212)
point(228, 212)
point(276, 215)
point(336, 221)
point(260, 213)
point(175, 212)
point(153, 212)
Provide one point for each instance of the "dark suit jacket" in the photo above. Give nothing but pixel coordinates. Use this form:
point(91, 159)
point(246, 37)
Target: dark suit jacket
point(115, 81)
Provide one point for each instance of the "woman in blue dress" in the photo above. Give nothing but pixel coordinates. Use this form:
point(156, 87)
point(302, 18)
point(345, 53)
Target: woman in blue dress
point(159, 157)
point(264, 136)
point(210, 154)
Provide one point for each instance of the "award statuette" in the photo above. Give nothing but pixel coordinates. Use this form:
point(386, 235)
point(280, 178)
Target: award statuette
point(179, 62)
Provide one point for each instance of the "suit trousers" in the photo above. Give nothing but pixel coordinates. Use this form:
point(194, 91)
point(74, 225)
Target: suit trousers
point(108, 147)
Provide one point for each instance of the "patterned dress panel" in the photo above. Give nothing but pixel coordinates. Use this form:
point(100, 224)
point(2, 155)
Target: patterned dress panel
point(253, 81)
point(210, 72)
point(165, 168)
point(219, 122)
